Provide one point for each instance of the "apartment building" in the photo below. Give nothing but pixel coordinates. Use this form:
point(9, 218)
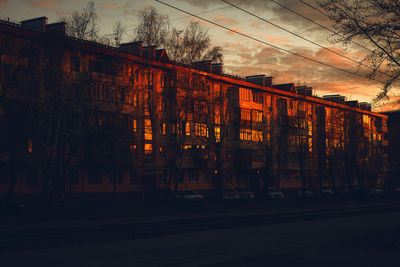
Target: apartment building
point(81, 118)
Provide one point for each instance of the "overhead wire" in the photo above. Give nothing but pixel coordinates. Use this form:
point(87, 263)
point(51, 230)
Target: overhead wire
point(265, 43)
point(319, 24)
point(301, 37)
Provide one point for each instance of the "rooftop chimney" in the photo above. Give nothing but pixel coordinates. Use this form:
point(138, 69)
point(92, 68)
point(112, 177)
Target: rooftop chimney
point(216, 68)
point(260, 79)
point(304, 90)
point(353, 103)
point(149, 52)
point(56, 28)
point(36, 24)
point(335, 98)
point(203, 65)
point(135, 48)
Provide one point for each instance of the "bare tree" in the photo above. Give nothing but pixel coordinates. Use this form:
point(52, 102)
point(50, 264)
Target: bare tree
point(185, 46)
point(84, 24)
point(153, 28)
point(119, 30)
point(376, 24)
point(191, 45)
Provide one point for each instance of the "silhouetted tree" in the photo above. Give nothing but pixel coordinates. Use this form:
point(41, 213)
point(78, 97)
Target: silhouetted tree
point(376, 25)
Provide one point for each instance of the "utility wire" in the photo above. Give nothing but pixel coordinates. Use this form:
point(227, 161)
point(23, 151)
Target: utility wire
point(303, 38)
point(265, 43)
point(316, 23)
point(316, 9)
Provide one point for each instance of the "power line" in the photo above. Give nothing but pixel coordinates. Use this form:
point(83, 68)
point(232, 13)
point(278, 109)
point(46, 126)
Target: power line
point(263, 42)
point(316, 9)
point(205, 12)
point(301, 37)
point(319, 24)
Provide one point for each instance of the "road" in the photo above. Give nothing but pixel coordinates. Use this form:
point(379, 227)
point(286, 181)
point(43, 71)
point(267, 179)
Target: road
point(346, 236)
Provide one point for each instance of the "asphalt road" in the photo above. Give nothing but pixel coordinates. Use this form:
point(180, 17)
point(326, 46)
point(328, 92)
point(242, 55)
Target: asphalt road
point(345, 236)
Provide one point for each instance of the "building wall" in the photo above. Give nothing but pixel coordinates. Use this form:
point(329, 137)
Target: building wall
point(135, 123)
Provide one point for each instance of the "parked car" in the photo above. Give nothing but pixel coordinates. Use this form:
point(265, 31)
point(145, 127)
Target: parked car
point(327, 192)
point(305, 193)
point(189, 196)
point(245, 193)
point(376, 192)
point(230, 194)
point(273, 193)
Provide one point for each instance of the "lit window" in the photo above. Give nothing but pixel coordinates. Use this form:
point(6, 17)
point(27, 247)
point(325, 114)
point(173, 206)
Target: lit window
point(244, 94)
point(257, 136)
point(200, 129)
point(133, 149)
point(245, 134)
point(187, 128)
point(29, 146)
point(148, 133)
point(217, 117)
point(245, 115)
point(134, 126)
point(148, 149)
point(163, 128)
point(217, 133)
point(257, 116)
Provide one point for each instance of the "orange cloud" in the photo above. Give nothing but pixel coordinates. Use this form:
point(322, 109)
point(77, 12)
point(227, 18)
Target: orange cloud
point(4, 3)
point(109, 5)
point(226, 21)
point(45, 4)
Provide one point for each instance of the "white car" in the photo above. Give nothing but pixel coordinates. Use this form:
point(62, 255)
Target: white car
point(189, 196)
point(274, 193)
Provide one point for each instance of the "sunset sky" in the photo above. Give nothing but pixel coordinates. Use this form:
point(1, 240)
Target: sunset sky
point(242, 56)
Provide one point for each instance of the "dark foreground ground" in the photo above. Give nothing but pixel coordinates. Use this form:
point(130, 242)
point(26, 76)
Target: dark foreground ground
point(333, 234)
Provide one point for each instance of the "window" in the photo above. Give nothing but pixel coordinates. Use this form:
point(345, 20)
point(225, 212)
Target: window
point(148, 132)
point(244, 94)
point(245, 134)
point(132, 99)
point(245, 114)
point(163, 178)
point(366, 119)
point(75, 63)
point(163, 152)
point(268, 101)
point(187, 128)
point(217, 134)
point(115, 178)
point(257, 116)
point(193, 177)
point(200, 129)
point(163, 128)
point(133, 179)
point(148, 149)
point(134, 126)
point(165, 80)
point(217, 116)
point(258, 98)
point(133, 149)
point(257, 136)
point(29, 146)
point(164, 105)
